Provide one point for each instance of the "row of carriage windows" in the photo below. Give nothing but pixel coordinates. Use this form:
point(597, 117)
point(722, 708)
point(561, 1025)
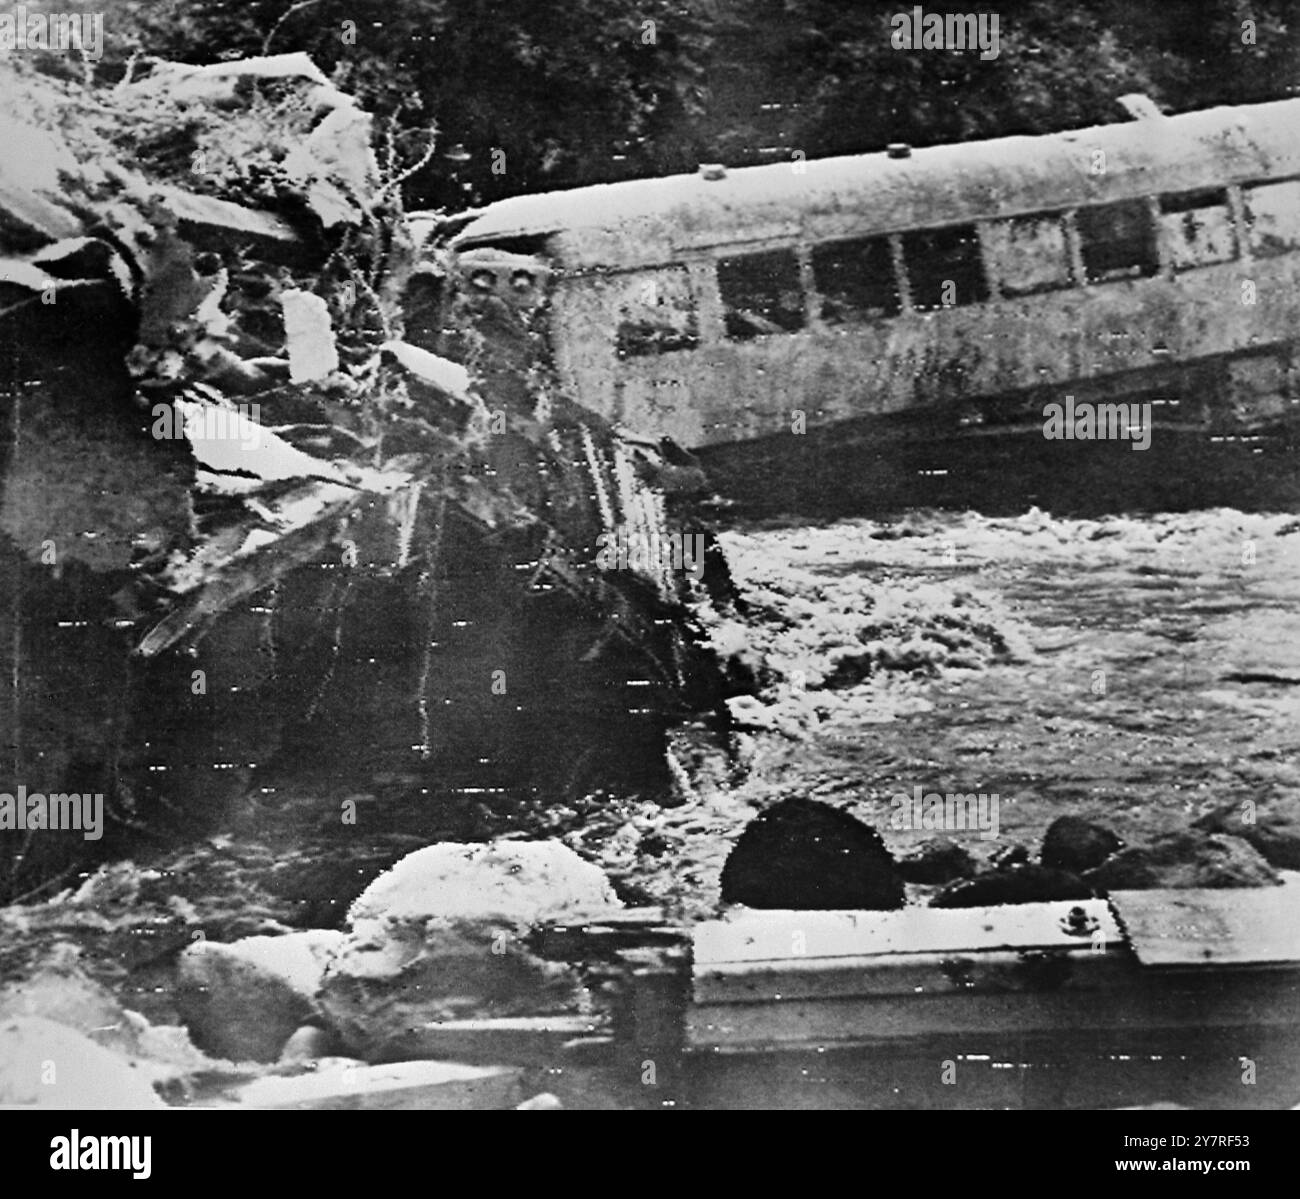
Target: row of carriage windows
point(860, 280)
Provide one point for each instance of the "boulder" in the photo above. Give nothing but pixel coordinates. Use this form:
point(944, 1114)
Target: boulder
point(939, 860)
point(1019, 884)
point(509, 882)
point(1184, 859)
point(441, 936)
point(804, 854)
point(243, 1001)
point(57, 989)
point(48, 1065)
point(1272, 827)
point(1072, 843)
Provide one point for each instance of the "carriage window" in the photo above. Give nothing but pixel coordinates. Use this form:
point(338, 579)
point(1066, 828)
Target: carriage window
point(1118, 241)
point(656, 313)
point(855, 280)
point(944, 268)
point(1273, 215)
point(1198, 228)
point(761, 294)
point(1029, 253)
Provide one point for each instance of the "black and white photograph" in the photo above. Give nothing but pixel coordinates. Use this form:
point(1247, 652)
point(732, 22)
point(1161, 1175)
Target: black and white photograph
point(677, 555)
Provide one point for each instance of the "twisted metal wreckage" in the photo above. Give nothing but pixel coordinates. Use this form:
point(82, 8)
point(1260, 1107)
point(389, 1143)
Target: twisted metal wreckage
point(257, 277)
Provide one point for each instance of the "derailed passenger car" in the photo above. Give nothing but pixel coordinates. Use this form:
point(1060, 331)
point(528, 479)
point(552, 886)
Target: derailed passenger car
point(1153, 260)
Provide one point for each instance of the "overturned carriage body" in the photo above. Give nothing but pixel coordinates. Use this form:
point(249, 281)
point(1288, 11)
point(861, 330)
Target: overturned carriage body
point(1154, 261)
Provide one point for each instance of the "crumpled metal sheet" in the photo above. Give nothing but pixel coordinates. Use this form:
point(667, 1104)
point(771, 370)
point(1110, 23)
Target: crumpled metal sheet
point(1235, 927)
point(778, 935)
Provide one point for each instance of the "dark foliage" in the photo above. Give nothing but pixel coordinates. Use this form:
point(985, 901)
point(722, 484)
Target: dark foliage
point(529, 95)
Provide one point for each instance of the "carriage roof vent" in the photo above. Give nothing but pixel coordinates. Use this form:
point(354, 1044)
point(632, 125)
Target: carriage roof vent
point(898, 150)
point(712, 171)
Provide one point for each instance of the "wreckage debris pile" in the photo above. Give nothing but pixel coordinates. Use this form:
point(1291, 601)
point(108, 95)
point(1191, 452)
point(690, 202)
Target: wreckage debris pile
point(258, 266)
point(207, 271)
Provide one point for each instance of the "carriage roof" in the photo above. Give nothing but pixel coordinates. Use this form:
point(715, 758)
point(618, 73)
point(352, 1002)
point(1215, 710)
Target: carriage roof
point(633, 223)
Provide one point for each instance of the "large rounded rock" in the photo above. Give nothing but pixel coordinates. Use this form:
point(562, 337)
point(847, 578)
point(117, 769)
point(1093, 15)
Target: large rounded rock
point(512, 882)
point(1072, 843)
point(243, 1000)
point(48, 1065)
point(1185, 859)
point(806, 855)
point(441, 936)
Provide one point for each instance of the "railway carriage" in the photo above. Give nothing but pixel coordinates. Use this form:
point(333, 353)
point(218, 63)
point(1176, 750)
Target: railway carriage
point(1154, 260)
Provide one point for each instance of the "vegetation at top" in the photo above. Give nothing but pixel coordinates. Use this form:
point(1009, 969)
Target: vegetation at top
point(528, 95)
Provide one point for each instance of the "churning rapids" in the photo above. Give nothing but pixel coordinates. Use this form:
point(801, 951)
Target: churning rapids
point(1131, 670)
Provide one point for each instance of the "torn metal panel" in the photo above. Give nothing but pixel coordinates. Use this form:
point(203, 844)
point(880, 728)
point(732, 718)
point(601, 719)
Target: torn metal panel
point(913, 977)
point(772, 936)
point(1246, 927)
point(798, 980)
point(26, 217)
point(222, 218)
point(1138, 1004)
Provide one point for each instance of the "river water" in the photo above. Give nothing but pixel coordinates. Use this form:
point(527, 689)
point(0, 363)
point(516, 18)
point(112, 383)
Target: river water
point(1132, 670)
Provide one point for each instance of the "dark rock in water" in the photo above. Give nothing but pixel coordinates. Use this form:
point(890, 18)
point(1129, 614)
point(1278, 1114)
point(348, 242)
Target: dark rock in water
point(937, 861)
point(1185, 859)
point(1272, 828)
point(804, 854)
point(1021, 884)
point(1073, 843)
